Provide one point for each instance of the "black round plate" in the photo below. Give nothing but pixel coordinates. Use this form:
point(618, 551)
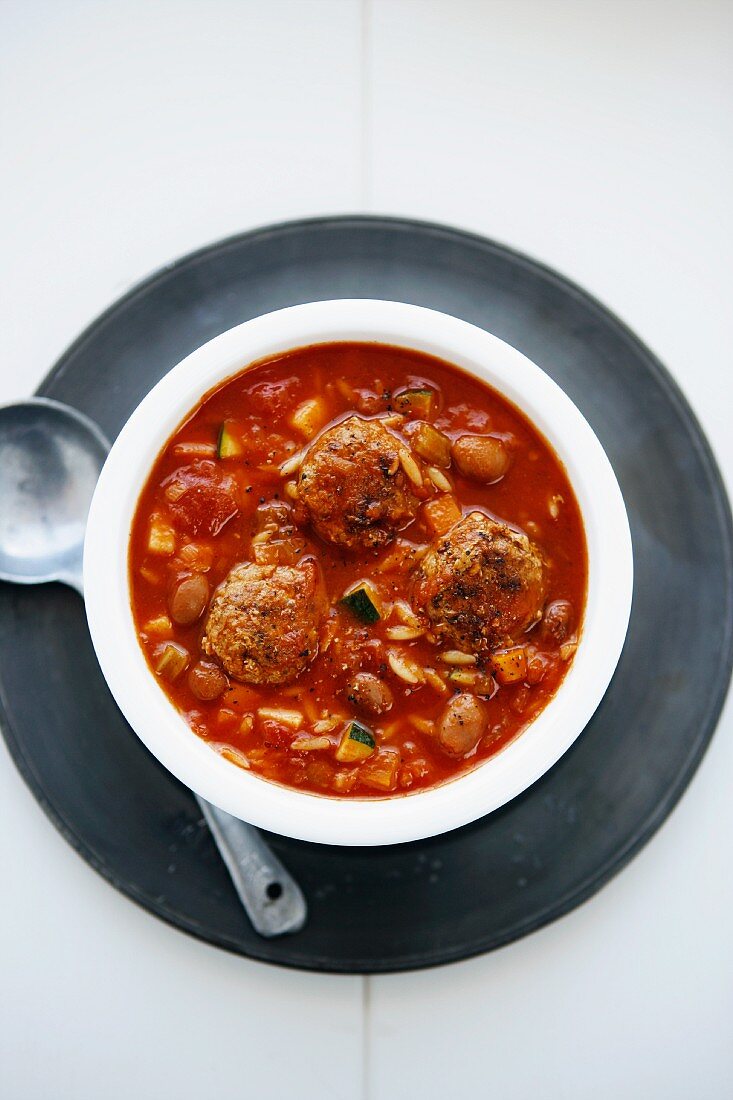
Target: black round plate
point(481, 886)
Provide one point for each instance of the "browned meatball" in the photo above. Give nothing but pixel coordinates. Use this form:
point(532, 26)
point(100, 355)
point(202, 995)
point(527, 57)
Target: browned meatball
point(263, 621)
point(481, 585)
point(353, 486)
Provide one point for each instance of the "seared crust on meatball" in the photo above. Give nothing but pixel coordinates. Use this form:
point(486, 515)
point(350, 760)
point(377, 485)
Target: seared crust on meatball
point(353, 486)
point(481, 585)
point(263, 622)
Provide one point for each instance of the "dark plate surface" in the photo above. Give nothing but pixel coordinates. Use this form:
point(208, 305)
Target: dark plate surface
point(491, 882)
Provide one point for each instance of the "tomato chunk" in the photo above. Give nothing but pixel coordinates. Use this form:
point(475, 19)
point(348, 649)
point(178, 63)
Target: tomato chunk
point(208, 501)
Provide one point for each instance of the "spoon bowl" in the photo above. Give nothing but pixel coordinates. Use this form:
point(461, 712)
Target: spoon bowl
point(50, 460)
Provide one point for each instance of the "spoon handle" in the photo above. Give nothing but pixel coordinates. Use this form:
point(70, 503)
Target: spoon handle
point(270, 895)
point(273, 900)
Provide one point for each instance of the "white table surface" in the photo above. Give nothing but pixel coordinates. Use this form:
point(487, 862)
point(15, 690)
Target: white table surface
point(596, 136)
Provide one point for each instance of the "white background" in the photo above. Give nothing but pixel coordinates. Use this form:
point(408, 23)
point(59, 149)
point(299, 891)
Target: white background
point(594, 135)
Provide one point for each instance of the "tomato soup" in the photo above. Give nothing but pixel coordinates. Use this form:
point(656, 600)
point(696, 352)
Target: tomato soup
point(357, 570)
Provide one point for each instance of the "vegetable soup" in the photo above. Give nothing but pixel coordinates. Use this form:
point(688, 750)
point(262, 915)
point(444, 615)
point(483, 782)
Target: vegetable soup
point(357, 570)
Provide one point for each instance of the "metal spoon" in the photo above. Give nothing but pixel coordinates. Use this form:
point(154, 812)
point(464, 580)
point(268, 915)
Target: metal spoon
point(50, 459)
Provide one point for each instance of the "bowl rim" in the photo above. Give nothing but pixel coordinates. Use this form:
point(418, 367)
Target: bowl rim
point(301, 814)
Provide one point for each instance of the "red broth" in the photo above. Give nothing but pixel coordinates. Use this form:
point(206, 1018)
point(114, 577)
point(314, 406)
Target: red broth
point(217, 485)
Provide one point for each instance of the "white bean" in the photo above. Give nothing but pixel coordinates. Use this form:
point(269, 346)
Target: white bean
point(188, 599)
point(462, 724)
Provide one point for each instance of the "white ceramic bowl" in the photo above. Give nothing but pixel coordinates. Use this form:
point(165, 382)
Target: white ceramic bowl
point(316, 817)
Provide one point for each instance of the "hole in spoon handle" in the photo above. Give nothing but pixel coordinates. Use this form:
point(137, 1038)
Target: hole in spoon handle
point(272, 899)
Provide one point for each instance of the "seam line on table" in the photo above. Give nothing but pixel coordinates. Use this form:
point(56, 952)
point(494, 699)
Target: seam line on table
point(364, 50)
point(365, 105)
point(366, 1052)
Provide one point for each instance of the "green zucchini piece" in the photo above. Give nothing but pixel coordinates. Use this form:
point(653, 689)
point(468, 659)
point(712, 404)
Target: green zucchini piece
point(357, 743)
point(228, 445)
point(415, 402)
point(362, 603)
point(431, 445)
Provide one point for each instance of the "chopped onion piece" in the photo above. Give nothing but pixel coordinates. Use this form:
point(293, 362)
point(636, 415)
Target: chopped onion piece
point(303, 743)
point(161, 537)
point(197, 557)
point(293, 719)
point(175, 491)
point(344, 780)
point(226, 716)
point(309, 416)
point(325, 725)
point(171, 661)
point(160, 625)
point(381, 770)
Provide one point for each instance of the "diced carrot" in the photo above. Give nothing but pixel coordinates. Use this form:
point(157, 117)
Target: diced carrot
point(510, 665)
point(441, 514)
